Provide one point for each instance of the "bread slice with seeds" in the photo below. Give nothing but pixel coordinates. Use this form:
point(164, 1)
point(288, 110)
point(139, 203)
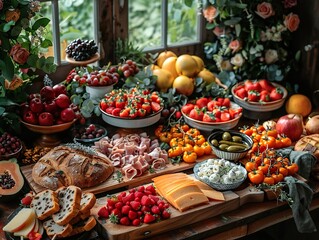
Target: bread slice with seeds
point(45, 204)
point(57, 231)
point(87, 202)
point(69, 201)
point(83, 226)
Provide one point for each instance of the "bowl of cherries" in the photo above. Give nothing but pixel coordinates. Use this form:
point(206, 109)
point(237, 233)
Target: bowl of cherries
point(88, 134)
point(10, 146)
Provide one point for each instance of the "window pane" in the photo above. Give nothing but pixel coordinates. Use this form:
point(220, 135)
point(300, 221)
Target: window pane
point(76, 21)
point(145, 23)
point(182, 23)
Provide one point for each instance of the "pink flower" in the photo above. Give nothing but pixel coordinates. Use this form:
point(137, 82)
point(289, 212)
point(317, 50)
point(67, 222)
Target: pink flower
point(19, 54)
point(290, 3)
point(265, 10)
point(234, 46)
point(210, 13)
point(218, 31)
point(1, 4)
point(292, 22)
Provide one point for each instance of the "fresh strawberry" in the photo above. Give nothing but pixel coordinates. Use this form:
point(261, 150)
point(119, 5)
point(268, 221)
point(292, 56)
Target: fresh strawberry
point(141, 112)
point(138, 195)
point(196, 114)
point(178, 115)
point(266, 85)
point(242, 93)
point(276, 94)
point(264, 96)
point(252, 86)
point(226, 102)
point(136, 222)
point(155, 209)
point(212, 104)
point(253, 96)
point(124, 113)
point(154, 198)
point(103, 212)
point(119, 205)
point(116, 212)
point(125, 209)
point(146, 201)
point(111, 201)
point(116, 111)
point(155, 106)
point(235, 112)
point(109, 110)
point(135, 205)
point(151, 188)
point(166, 214)
point(26, 201)
point(128, 198)
point(148, 218)
point(132, 215)
point(146, 208)
point(120, 103)
point(202, 102)
point(147, 107)
point(125, 221)
point(187, 108)
point(209, 117)
point(141, 189)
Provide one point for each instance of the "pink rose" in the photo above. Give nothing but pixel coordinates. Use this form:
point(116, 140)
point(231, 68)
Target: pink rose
point(234, 46)
point(210, 13)
point(290, 3)
point(19, 54)
point(265, 10)
point(292, 22)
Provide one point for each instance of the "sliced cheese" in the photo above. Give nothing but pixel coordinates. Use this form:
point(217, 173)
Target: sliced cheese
point(20, 221)
point(213, 194)
point(180, 191)
point(27, 229)
point(190, 200)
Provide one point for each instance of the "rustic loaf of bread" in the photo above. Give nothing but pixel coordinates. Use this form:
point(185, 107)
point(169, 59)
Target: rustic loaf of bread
point(65, 166)
point(54, 230)
point(45, 204)
point(69, 201)
point(309, 143)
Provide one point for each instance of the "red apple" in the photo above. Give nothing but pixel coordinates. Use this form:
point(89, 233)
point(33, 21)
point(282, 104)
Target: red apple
point(62, 100)
point(36, 105)
point(59, 89)
point(24, 107)
point(46, 119)
point(30, 117)
point(290, 125)
point(50, 107)
point(67, 115)
point(47, 93)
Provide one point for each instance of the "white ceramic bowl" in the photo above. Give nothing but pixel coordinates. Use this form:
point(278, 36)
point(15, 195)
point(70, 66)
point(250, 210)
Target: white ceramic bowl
point(98, 92)
point(232, 156)
point(129, 122)
point(208, 126)
point(257, 106)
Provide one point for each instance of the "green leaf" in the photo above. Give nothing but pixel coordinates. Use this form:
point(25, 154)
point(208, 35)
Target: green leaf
point(7, 66)
point(46, 43)
point(7, 102)
point(232, 21)
point(16, 30)
point(7, 26)
point(41, 22)
point(188, 3)
point(210, 26)
point(32, 60)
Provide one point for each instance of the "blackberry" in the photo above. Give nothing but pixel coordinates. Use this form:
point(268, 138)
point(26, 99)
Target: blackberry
point(81, 50)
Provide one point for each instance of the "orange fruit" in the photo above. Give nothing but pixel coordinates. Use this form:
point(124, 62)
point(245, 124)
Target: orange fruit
point(207, 76)
point(163, 56)
point(186, 65)
point(169, 65)
point(184, 85)
point(164, 79)
point(298, 104)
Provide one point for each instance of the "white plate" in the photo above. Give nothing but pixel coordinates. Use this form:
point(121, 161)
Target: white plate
point(257, 106)
point(98, 91)
point(131, 123)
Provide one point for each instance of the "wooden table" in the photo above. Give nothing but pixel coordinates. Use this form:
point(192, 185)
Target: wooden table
point(244, 221)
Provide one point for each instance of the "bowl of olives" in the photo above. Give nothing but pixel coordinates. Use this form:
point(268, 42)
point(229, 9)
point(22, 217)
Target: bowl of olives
point(88, 134)
point(230, 145)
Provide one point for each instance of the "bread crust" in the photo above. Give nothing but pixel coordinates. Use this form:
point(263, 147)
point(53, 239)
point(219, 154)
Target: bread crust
point(309, 143)
point(65, 166)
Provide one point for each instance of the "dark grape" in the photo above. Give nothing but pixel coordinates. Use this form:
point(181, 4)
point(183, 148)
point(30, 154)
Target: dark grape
point(81, 50)
point(9, 144)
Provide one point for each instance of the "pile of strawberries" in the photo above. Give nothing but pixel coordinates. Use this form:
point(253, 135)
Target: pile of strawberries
point(135, 207)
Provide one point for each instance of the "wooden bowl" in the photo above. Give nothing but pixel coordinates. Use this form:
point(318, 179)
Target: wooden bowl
point(48, 129)
point(93, 59)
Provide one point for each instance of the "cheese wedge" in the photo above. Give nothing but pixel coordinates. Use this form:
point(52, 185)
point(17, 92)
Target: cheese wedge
point(21, 220)
point(27, 229)
point(190, 200)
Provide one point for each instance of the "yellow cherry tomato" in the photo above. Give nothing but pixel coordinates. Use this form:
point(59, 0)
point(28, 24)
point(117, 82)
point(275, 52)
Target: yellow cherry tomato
point(199, 150)
point(207, 148)
point(188, 147)
point(175, 151)
point(199, 139)
point(189, 157)
point(165, 137)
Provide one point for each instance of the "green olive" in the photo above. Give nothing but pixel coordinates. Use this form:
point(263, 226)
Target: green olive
point(223, 147)
point(226, 136)
point(215, 142)
point(237, 139)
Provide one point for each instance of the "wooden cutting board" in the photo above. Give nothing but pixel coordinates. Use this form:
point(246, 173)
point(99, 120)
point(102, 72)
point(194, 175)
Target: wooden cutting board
point(111, 183)
point(233, 200)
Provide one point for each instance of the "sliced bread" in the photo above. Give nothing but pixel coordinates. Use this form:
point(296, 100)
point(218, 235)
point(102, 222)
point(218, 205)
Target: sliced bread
point(57, 231)
point(45, 204)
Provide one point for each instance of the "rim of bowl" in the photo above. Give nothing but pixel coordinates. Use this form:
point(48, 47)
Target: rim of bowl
point(130, 119)
point(216, 123)
point(12, 154)
point(219, 132)
point(99, 86)
point(258, 103)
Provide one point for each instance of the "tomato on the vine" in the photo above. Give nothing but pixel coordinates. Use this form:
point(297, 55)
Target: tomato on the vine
point(278, 177)
point(250, 166)
point(268, 141)
point(199, 150)
point(293, 168)
point(269, 180)
point(256, 176)
point(189, 157)
point(207, 148)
